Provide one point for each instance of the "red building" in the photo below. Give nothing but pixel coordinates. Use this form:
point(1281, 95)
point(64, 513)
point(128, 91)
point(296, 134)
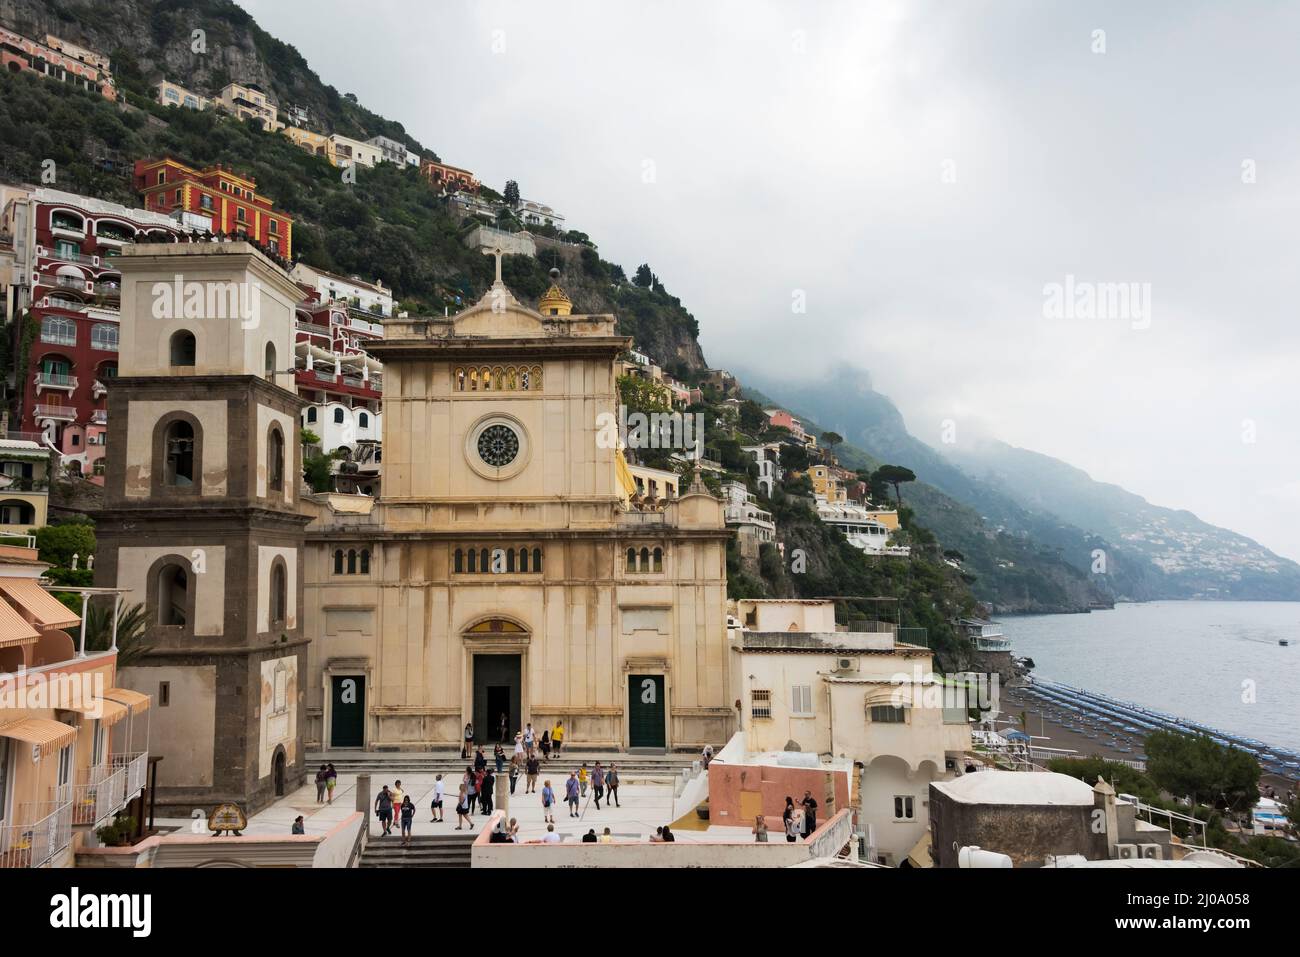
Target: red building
point(57, 60)
point(452, 178)
point(231, 201)
point(66, 246)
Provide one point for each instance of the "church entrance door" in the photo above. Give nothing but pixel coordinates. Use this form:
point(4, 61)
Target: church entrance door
point(497, 691)
point(645, 711)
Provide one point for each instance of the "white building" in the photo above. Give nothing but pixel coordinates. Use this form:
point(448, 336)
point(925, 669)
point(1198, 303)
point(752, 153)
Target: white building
point(861, 527)
point(753, 525)
point(368, 297)
point(538, 214)
point(768, 457)
point(348, 151)
point(392, 151)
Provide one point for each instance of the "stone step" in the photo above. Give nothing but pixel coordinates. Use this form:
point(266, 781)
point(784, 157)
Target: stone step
point(435, 850)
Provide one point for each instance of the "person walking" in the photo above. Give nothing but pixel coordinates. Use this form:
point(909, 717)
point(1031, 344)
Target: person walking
point(503, 728)
point(499, 755)
point(436, 807)
point(760, 829)
point(546, 745)
point(408, 816)
point(532, 768)
point(530, 737)
point(471, 790)
point(322, 776)
point(787, 818)
point(583, 777)
point(519, 744)
point(397, 794)
point(548, 803)
point(463, 804)
point(611, 785)
point(384, 810)
point(469, 741)
point(331, 780)
point(809, 804)
point(514, 776)
point(598, 783)
point(487, 791)
point(571, 793)
point(480, 759)
point(791, 826)
point(557, 738)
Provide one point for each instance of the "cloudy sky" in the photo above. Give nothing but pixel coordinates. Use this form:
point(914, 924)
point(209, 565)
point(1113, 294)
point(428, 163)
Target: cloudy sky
point(915, 174)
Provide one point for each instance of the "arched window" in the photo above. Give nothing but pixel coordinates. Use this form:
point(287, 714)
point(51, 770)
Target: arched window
point(279, 594)
point(523, 559)
point(645, 560)
point(338, 561)
point(512, 379)
point(510, 559)
point(363, 420)
point(473, 561)
point(183, 349)
point(275, 460)
point(498, 378)
point(338, 416)
point(270, 361)
point(537, 559)
point(460, 380)
point(631, 559)
point(487, 379)
point(17, 512)
point(658, 561)
point(104, 336)
point(484, 565)
point(473, 380)
point(352, 561)
point(58, 330)
point(524, 379)
point(311, 414)
point(537, 378)
point(365, 561)
point(178, 454)
point(458, 561)
point(173, 589)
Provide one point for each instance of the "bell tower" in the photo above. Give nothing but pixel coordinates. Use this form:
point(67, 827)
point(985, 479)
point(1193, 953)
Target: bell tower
point(202, 519)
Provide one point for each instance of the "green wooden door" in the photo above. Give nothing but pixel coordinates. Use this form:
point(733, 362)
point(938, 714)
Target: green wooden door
point(348, 711)
point(645, 711)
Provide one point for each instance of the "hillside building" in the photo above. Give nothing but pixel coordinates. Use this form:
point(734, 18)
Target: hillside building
point(58, 60)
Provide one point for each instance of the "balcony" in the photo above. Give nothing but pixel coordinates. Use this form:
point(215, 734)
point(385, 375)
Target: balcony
point(71, 282)
point(99, 417)
point(101, 795)
point(110, 290)
point(136, 765)
point(98, 389)
point(67, 229)
point(58, 413)
point(55, 380)
point(43, 830)
point(63, 255)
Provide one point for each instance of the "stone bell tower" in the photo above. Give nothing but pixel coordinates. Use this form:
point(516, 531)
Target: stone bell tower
point(202, 520)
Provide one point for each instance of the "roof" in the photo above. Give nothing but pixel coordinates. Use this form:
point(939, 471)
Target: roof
point(826, 643)
point(45, 734)
point(1017, 788)
point(47, 610)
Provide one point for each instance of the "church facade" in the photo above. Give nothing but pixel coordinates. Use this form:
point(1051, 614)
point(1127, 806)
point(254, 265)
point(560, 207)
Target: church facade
point(507, 573)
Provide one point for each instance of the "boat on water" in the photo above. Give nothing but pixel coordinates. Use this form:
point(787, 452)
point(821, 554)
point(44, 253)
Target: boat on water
point(1283, 642)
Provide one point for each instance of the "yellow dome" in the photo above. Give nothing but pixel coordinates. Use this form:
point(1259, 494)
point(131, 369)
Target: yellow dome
point(555, 302)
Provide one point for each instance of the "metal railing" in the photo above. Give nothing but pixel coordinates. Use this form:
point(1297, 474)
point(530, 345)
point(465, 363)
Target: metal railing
point(65, 256)
point(56, 379)
point(99, 417)
point(62, 412)
point(70, 282)
point(113, 289)
point(101, 796)
point(136, 764)
point(43, 830)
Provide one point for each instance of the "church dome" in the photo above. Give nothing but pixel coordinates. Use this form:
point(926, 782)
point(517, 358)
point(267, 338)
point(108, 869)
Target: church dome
point(555, 302)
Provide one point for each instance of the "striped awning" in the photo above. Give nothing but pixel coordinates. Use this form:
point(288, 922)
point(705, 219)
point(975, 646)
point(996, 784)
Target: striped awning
point(14, 628)
point(48, 735)
point(134, 700)
point(109, 712)
point(48, 611)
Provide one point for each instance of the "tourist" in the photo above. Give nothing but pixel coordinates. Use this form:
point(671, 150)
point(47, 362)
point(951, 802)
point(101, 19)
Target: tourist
point(669, 836)
point(486, 790)
point(436, 807)
point(519, 744)
point(407, 809)
point(331, 780)
point(463, 805)
point(499, 755)
point(810, 813)
point(607, 838)
point(471, 789)
point(384, 809)
point(530, 738)
point(557, 737)
point(480, 759)
point(571, 794)
point(546, 745)
point(469, 741)
point(298, 826)
point(590, 836)
point(611, 785)
point(707, 756)
point(787, 817)
point(322, 776)
point(499, 833)
point(503, 729)
point(397, 794)
point(512, 830)
point(514, 776)
point(791, 826)
point(582, 779)
point(658, 836)
point(760, 829)
point(550, 837)
point(548, 803)
point(533, 767)
point(598, 784)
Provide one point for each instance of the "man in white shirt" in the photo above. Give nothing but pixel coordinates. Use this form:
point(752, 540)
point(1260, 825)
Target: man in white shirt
point(550, 837)
point(437, 800)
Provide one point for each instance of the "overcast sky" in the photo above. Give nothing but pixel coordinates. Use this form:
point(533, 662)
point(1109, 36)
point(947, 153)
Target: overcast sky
point(918, 173)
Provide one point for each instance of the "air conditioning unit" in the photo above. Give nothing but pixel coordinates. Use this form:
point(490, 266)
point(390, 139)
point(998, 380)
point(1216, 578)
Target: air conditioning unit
point(1151, 852)
point(1126, 852)
point(846, 664)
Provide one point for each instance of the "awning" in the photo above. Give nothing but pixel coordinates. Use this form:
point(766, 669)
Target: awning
point(48, 611)
point(14, 628)
point(110, 712)
point(48, 735)
point(919, 855)
point(134, 700)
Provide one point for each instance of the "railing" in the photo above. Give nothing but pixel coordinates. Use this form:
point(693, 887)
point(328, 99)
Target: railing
point(68, 257)
point(18, 483)
point(136, 764)
point(58, 302)
point(324, 376)
point(99, 417)
point(61, 412)
point(113, 289)
point(44, 830)
point(102, 796)
point(57, 380)
point(913, 636)
point(70, 282)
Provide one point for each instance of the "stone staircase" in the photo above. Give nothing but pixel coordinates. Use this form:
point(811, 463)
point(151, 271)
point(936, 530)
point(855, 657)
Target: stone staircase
point(439, 850)
point(632, 768)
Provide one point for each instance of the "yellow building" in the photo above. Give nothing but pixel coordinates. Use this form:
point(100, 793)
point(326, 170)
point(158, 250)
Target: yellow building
point(248, 102)
point(24, 486)
point(316, 143)
point(825, 485)
point(503, 571)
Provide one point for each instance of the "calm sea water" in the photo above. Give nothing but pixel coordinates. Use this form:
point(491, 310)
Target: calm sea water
point(1193, 659)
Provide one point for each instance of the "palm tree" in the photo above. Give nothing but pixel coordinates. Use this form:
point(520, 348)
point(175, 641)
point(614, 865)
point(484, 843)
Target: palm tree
point(132, 624)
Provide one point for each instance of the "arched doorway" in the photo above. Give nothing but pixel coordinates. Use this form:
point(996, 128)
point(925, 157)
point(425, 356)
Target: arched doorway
point(497, 651)
point(278, 771)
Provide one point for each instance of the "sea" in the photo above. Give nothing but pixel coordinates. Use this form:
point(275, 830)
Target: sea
point(1215, 662)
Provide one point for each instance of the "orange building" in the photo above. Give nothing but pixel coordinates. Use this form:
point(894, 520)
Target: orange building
point(452, 177)
point(231, 201)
